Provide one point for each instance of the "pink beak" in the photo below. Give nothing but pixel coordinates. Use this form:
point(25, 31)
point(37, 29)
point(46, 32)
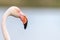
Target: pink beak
point(24, 20)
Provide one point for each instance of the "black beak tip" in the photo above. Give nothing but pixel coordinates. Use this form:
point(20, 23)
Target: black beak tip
point(25, 25)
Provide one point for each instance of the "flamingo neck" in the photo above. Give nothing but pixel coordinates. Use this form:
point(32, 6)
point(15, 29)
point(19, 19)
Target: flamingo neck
point(4, 30)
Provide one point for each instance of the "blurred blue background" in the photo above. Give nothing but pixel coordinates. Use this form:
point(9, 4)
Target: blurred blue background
point(43, 16)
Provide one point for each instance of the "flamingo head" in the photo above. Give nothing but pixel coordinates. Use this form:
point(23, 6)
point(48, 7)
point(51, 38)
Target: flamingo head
point(16, 12)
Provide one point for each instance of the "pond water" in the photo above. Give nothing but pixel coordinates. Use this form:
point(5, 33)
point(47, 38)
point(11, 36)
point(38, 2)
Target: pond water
point(43, 24)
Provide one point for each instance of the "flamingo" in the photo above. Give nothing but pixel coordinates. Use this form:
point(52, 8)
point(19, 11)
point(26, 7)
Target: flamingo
point(16, 12)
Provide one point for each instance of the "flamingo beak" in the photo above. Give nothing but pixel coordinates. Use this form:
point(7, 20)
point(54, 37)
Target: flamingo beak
point(24, 20)
point(25, 25)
